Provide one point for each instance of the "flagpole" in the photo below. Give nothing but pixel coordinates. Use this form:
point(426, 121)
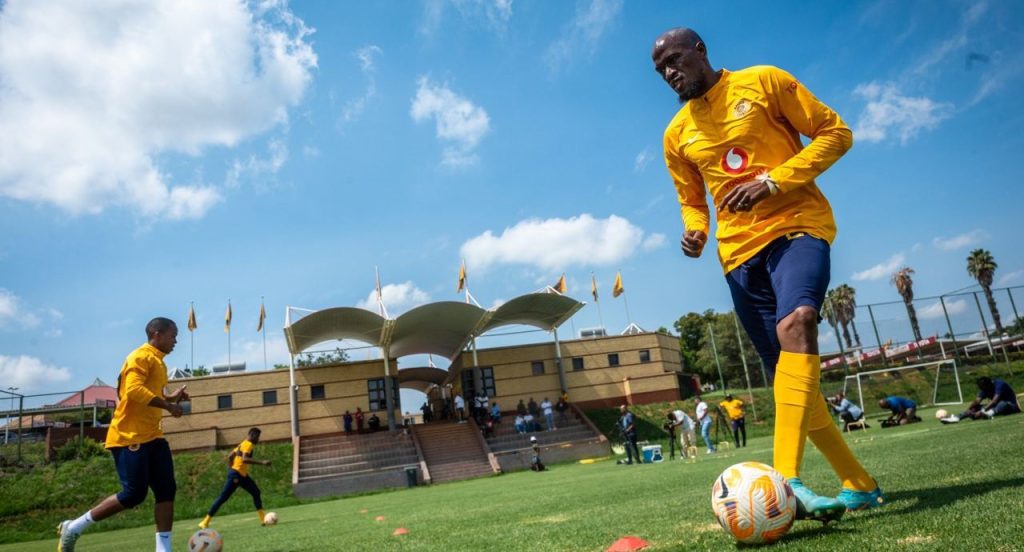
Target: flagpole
point(626, 303)
point(229, 337)
point(600, 316)
point(192, 335)
point(264, 335)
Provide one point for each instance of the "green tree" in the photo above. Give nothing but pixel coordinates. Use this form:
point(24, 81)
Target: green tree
point(198, 371)
point(904, 282)
point(337, 356)
point(692, 328)
point(981, 265)
point(847, 297)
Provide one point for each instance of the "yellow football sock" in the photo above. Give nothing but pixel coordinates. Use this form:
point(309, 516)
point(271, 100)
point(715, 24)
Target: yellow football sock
point(826, 437)
point(206, 522)
point(261, 514)
point(796, 388)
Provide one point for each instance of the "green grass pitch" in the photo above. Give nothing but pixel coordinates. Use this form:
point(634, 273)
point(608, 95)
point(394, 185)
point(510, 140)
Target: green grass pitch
point(950, 488)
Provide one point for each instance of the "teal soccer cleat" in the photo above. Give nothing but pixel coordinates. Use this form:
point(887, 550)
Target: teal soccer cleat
point(813, 506)
point(862, 500)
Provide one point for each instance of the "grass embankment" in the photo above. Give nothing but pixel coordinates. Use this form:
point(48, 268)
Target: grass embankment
point(33, 501)
point(951, 488)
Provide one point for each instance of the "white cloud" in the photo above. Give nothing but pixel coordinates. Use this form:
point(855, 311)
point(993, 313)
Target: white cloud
point(583, 33)
point(250, 351)
point(354, 107)
point(398, 298)
point(881, 270)
point(29, 373)
point(889, 112)
point(14, 312)
point(826, 340)
point(554, 244)
point(642, 160)
point(95, 93)
point(934, 309)
point(256, 168)
point(1010, 277)
point(495, 13)
point(958, 242)
point(460, 123)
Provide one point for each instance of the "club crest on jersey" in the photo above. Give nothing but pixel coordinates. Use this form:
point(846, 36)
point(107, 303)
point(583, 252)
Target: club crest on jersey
point(735, 160)
point(741, 108)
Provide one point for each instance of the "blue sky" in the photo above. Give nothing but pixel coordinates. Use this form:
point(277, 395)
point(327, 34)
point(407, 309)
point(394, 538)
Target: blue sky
point(157, 153)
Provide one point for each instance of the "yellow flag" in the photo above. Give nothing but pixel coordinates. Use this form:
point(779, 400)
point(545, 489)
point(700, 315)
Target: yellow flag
point(192, 319)
point(560, 285)
point(227, 318)
point(593, 286)
point(617, 289)
point(263, 316)
point(462, 278)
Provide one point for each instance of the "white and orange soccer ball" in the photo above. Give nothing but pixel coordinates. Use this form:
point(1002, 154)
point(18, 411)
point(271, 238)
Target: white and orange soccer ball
point(205, 540)
point(753, 503)
point(270, 518)
point(941, 413)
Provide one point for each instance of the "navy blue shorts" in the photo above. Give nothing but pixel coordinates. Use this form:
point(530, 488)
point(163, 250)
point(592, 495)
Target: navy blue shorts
point(139, 467)
point(789, 272)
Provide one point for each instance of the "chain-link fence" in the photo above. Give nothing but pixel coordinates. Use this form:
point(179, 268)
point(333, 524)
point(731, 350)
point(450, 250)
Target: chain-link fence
point(968, 326)
point(36, 426)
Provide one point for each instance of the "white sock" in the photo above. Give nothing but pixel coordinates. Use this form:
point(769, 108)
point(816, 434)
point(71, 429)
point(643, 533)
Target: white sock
point(163, 541)
point(82, 523)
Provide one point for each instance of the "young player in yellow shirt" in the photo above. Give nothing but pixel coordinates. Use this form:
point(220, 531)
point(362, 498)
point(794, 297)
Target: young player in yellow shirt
point(738, 137)
point(134, 438)
point(238, 476)
point(737, 417)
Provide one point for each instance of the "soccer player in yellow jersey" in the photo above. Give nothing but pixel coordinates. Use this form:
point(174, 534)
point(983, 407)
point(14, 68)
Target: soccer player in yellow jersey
point(737, 136)
point(238, 476)
point(134, 438)
point(737, 417)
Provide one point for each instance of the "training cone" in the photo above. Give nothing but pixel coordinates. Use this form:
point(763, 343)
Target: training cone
point(400, 531)
point(380, 518)
point(628, 544)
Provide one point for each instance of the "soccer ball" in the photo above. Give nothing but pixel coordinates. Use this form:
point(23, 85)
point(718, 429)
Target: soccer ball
point(753, 503)
point(941, 413)
point(205, 540)
point(270, 518)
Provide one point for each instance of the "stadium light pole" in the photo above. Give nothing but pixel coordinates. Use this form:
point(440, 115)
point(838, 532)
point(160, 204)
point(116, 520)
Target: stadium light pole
point(952, 334)
point(881, 350)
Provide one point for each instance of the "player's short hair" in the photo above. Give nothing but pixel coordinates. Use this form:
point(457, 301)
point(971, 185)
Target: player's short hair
point(254, 431)
point(159, 324)
point(984, 382)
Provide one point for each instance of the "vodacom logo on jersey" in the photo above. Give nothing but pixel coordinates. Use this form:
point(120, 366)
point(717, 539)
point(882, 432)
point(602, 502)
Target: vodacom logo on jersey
point(735, 160)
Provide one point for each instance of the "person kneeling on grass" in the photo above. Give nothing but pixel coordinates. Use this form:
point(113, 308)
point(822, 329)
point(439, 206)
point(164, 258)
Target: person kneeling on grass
point(1001, 401)
point(535, 463)
point(238, 476)
point(904, 411)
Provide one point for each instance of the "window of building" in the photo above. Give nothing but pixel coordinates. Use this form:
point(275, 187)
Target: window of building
point(613, 359)
point(269, 397)
point(538, 367)
point(317, 392)
point(223, 402)
point(645, 355)
point(486, 378)
point(377, 395)
point(577, 364)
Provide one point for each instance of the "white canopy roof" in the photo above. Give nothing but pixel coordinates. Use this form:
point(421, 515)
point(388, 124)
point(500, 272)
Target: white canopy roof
point(443, 328)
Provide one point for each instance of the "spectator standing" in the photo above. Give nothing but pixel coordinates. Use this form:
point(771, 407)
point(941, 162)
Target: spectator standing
point(549, 413)
point(704, 419)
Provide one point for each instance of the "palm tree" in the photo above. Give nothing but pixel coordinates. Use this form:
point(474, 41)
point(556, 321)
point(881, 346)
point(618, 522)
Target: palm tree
point(832, 311)
point(848, 304)
point(982, 267)
point(905, 286)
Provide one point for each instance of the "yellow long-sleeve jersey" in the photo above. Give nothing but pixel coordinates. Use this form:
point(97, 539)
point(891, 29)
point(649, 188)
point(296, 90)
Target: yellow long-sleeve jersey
point(749, 123)
point(142, 377)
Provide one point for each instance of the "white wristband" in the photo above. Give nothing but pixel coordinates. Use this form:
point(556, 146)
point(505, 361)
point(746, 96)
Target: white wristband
point(773, 187)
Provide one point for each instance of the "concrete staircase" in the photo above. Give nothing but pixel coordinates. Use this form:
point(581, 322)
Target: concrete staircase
point(453, 451)
point(343, 464)
point(570, 430)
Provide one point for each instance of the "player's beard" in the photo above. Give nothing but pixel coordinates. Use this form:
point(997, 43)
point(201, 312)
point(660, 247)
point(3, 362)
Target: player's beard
point(693, 89)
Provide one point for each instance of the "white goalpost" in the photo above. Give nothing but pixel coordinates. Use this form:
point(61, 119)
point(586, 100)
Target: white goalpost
point(940, 369)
